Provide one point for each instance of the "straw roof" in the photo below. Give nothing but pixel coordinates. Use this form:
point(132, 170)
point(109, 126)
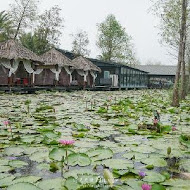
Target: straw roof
point(84, 64)
point(12, 49)
point(54, 57)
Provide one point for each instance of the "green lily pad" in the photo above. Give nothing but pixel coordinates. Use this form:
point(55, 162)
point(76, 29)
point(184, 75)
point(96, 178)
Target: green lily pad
point(155, 161)
point(80, 159)
point(14, 151)
point(154, 177)
point(118, 163)
point(134, 184)
point(27, 179)
point(100, 153)
point(52, 184)
point(17, 163)
point(58, 153)
point(4, 182)
point(23, 186)
point(72, 184)
point(5, 168)
point(177, 183)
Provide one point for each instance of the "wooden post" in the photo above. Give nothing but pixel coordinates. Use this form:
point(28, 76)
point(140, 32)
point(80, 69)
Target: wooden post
point(10, 79)
point(56, 82)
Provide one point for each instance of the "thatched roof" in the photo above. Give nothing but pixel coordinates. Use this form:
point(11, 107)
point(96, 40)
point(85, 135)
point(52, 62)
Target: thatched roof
point(12, 49)
point(54, 57)
point(84, 64)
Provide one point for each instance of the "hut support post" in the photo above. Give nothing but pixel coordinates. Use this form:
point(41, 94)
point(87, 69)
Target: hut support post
point(10, 78)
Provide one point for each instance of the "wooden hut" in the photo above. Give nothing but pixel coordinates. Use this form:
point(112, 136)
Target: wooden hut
point(85, 74)
point(16, 64)
point(56, 70)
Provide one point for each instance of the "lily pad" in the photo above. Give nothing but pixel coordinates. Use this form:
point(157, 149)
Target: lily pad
point(80, 159)
point(154, 177)
point(118, 163)
point(23, 186)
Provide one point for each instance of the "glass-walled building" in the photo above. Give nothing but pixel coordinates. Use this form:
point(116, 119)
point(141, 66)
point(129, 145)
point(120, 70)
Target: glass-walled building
point(120, 76)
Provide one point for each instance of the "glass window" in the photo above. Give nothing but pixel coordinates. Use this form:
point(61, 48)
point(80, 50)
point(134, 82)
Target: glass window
point(106, 74)
point(122, 70)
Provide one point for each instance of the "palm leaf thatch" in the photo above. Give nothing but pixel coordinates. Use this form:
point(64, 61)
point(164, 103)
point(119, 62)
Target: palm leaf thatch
point(84, 64)
point(54, 57)
point(12, 49)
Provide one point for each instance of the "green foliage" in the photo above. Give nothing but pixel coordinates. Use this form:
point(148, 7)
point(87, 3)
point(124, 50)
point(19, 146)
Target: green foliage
point(114, 43)
point(23, 14)
point(80, 43)
point(36, 42)
point(6, 26)
point(81, 127)
point(169, 12)
point(46, 34)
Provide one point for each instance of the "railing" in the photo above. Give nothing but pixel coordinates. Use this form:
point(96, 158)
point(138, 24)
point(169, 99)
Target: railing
point(107, 81)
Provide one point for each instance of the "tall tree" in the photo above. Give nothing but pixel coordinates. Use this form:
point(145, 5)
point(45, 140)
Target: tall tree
point(23, 13)
point(181, 58)
point(80, 43)
point(36, 42)
point(6, 27)
point(51, 24)
point(173, 16)
point(47, 33)
point(113, 41)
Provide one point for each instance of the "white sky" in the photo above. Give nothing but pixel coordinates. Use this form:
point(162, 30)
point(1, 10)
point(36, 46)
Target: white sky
point(132, 14)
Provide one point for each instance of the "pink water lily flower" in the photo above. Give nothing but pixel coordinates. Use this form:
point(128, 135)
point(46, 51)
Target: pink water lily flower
point(155, 121)
point(174, 128)
point(67, 142)
point(146, 187)
point(6, 122)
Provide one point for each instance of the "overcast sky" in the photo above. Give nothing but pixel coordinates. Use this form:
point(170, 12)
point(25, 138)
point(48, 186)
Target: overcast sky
point(132, 14)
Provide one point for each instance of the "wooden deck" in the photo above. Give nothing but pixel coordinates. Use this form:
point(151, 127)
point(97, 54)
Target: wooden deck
point(30, 90)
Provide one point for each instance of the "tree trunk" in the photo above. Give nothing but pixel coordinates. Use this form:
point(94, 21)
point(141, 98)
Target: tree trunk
point(21, 19)
point(175, 100)
point(188, 80)
point(183, 67)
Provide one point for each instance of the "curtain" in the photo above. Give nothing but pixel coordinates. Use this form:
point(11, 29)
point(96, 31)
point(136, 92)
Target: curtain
point(83, 74)
point(69, 72)
point(56, 73)
point(7, 64)
point(37, 72)
point(28, 67)
point(94, 76)
point(14, 67)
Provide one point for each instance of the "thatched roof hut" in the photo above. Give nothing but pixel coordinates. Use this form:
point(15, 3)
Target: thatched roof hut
point(54, 57)
point(12, 49)
point(84, 64)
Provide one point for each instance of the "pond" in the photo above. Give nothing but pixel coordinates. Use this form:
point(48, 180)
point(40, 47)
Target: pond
point(122, 140)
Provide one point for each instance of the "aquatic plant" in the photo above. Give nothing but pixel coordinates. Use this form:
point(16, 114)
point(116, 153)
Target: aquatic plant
point(146, 187)
point(9, 128)
point(142, 174)
point(27, 103)
point(108, 176)
point(174, 128)
point(66, 144)
point(169, 150)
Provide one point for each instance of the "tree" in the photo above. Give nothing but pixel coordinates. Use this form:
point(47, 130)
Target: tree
point(35, 42)
point(23, 13)
point(113, 41)
point(80, 43)
point(51, 24)
point(6, 28)
point(46, 34)
point(173, 15)
point(181, 58)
